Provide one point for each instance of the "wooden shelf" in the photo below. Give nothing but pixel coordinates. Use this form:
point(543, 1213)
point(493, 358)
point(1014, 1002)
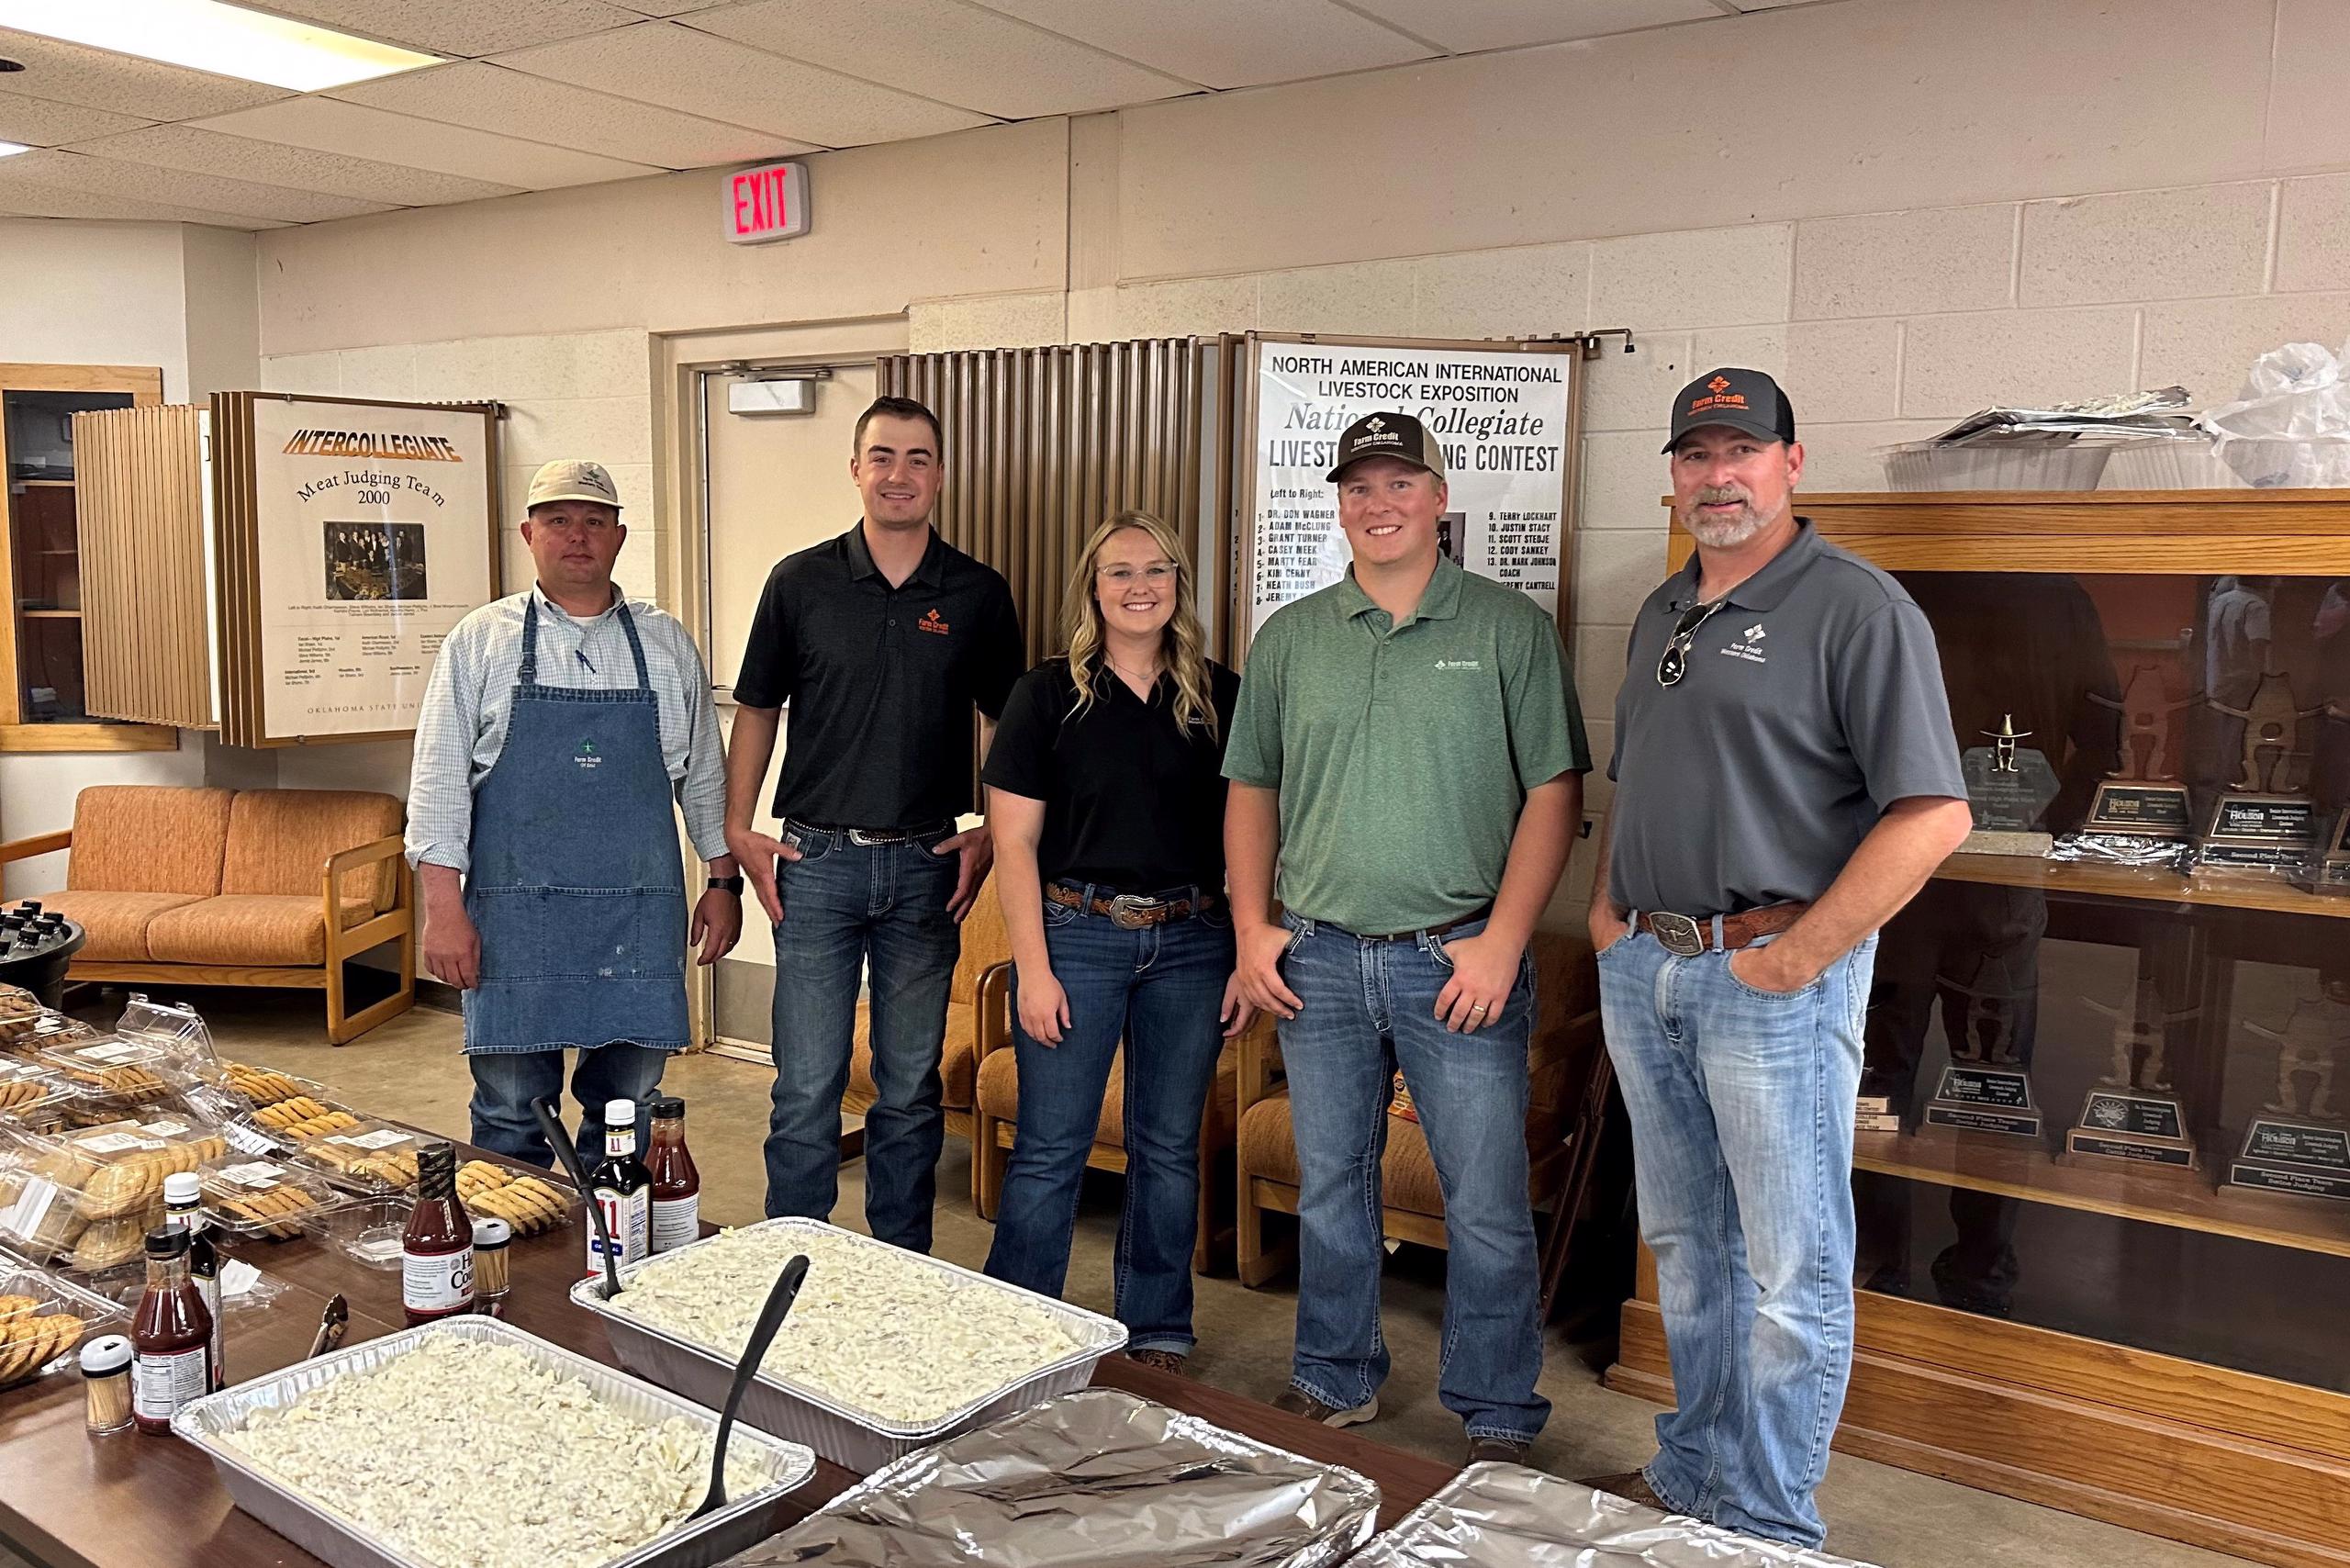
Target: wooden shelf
point(48, 614)
point(2186, 1200)
point(46, 484)
point(2272, 895)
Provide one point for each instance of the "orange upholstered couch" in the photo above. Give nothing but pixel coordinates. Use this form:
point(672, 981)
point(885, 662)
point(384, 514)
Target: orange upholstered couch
point(235, 887)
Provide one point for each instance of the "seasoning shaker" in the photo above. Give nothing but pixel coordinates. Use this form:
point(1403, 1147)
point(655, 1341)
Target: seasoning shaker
point(491, 1276)
point(105, 1378)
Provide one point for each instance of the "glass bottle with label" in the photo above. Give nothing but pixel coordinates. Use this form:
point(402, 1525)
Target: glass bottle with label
point(184, 1206)
point(171, 1337)
point(676, 1185)
point(437, 1249)
point(622, 1188)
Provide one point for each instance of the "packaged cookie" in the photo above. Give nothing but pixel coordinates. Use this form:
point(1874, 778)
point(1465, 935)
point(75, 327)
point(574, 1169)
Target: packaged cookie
point(43, 1318)
point(529, 1204)
point(367, 1157)
point(20, 1009)
point(33, 1096)
point(111, 1073)
point(263, 1200)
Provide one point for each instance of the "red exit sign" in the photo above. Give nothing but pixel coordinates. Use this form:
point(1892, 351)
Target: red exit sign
point(769, 202)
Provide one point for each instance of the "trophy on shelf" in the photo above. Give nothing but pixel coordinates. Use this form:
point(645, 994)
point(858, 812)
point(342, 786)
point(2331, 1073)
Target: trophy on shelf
point(2298, 1141)
point(1985, 1088)
point(2010, 788)
point(2329, 872)
point(2133, 1112)
point(2140, 800)
point(2257, 822)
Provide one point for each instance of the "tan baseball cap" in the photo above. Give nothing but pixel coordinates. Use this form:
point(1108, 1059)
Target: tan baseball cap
point(569, 479)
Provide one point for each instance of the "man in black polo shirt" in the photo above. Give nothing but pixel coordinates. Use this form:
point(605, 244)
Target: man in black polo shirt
point(882, 640)
point(1786, 778)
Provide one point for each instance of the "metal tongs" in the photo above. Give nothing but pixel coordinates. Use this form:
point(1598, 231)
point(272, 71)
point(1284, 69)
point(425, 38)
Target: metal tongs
point(331, 1323)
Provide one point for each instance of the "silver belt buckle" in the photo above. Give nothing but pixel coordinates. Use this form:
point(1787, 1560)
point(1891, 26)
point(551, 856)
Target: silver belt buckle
point(1680, 936)
point(1131, 912)
point(858, 836)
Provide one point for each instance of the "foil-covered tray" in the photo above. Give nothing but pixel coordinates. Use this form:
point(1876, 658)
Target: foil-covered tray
point(696, 1543)
point(1099, 1478)
point(1505, 1516)
point(858, 1440)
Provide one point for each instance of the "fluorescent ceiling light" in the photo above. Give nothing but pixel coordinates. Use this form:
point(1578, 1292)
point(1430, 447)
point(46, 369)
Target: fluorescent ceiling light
point(227, 40)
point(9, 148)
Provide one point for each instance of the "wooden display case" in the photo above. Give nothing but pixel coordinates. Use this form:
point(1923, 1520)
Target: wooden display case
point(2149, 1343)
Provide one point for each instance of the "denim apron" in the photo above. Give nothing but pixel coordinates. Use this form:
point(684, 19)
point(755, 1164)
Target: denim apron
point(578, 887)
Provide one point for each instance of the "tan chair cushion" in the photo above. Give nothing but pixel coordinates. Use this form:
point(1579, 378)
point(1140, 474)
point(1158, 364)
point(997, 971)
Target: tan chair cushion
point(954, 1066)
point(115, 924)
point(279, 840)
point(998, 1088)
point(986, 943)
point(1407, 1174)
point(257, 929)
point(148, 838)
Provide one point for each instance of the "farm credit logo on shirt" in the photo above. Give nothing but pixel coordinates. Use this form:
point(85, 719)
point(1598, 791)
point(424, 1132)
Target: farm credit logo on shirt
point(932, 621)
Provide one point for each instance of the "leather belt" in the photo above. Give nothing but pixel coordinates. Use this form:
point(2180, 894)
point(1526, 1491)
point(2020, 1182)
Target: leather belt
point(1129, 911)
point(1447, 929)
point(1685, 937)
point(866, 835)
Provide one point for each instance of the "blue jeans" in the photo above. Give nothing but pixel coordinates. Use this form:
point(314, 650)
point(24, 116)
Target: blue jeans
point(1741, 1106)
point(876, 911)
point(1159, 989)
point(505, 1082)
point(1370, 1008)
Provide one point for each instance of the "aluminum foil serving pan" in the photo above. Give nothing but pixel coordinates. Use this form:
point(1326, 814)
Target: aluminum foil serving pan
point(697, 1543)
point(1505, 1516)
point(1100, 1479)
point(862, 1441)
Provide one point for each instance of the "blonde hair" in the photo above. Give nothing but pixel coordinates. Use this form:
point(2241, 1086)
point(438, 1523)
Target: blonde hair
point(1182, 644)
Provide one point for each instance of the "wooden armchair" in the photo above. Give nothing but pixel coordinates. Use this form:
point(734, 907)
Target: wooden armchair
point(247, 888)
point(1569, 1084)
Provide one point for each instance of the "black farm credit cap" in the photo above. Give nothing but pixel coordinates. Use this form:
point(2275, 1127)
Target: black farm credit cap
point(1399, 436)
point(1744, 399)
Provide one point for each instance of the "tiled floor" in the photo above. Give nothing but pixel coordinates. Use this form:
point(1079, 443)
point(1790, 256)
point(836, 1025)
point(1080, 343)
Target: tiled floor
point(410, 1070)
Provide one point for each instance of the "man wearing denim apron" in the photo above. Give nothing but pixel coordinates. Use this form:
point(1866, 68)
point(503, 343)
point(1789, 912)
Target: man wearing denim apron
point(562, 729)
point(1407, 747)
point(1785, 781)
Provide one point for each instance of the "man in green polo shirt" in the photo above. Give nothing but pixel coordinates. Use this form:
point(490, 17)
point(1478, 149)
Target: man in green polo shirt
point(1407, 747)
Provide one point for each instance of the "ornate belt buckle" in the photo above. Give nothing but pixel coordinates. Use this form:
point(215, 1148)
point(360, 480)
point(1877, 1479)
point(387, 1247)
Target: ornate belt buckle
point(1129, 911)
point(873, 840)
point(1680, 936)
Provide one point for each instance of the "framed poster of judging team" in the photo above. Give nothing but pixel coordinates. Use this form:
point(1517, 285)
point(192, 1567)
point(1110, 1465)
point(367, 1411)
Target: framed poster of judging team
point(1505, 412)
point(354, 535)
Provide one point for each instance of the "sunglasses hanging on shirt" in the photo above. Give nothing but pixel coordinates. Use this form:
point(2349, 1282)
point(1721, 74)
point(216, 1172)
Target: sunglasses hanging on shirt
point(1674, 662)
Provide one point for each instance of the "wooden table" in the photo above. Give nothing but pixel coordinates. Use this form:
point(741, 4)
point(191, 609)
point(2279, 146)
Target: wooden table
point(68, 1500)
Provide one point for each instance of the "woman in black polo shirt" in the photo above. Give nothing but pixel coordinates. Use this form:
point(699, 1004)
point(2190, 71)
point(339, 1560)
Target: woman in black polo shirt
point(1106, 797)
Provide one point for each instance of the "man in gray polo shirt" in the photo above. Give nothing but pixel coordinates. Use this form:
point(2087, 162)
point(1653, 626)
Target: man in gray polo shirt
point(1407, 747)
point(1786, 781)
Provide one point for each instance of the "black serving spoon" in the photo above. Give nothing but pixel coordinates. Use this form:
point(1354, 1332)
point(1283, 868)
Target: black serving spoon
point(780, 1295)
point(552, 1124)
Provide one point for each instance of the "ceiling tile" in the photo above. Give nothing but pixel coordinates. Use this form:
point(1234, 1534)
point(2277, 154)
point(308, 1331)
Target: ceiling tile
point(1226, 43)
point(329, 125)
point(1466, 26)
point(272, 163)
point(41, 122)
point(980, 58)
point(490, 97)
point(177, 187)
point(100, 79)
point(460, 26)
point(31, 198)
point(681, 69)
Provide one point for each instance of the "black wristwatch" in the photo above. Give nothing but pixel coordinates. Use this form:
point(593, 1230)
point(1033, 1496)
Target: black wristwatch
point(733, 884)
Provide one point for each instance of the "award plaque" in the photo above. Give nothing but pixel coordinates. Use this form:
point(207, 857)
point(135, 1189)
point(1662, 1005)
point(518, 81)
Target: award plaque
point(2140, 799)
point(2132, 1113)
point(2257, 822)
point(2298, 1141)
point(2329, 871)
point(2010, 789)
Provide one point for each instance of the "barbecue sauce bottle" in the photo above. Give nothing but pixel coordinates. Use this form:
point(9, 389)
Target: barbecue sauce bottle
point(437, 1249)
point(676, 1185)
point(622, 1188)
point(171, 1337)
